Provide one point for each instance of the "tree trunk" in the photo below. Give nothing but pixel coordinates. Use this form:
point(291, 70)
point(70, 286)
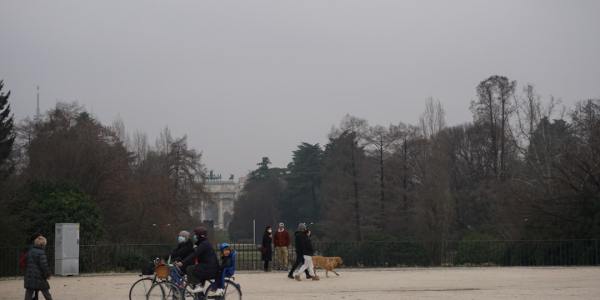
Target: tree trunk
point(494, 153)
point(355, 184)
point(502, 136)
point(405, 175)
point(382, 186)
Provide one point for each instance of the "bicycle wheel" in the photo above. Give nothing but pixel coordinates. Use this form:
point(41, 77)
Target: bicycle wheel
point(165, 291)
point(140, 289)
point(188, 295)
point(233, 291)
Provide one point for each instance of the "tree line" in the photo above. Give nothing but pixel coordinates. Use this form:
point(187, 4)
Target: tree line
point(524, 168)
point(66, 166)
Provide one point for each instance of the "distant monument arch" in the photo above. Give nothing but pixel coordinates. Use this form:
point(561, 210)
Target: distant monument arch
point(219, 203)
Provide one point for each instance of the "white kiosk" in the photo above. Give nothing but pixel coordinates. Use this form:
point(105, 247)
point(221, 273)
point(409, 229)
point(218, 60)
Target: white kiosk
point(66, 249)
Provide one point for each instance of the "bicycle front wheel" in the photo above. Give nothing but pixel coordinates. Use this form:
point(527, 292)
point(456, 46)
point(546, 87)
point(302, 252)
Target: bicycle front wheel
point(233, 291)
point(165, 291)
point(140, 289)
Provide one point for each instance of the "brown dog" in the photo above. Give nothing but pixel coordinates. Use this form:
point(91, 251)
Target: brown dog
point(327, 263)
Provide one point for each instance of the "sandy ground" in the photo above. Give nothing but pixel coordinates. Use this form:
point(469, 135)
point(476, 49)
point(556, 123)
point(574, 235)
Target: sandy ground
point(380, 284)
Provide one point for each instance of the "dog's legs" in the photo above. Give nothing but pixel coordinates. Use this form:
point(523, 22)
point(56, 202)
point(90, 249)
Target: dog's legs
point(326, 273)
point(336, 273)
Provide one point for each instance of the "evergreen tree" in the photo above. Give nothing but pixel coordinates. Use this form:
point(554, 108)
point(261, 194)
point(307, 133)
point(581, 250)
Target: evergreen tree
point(7, 133)
point(301, 200)
point(258, 201)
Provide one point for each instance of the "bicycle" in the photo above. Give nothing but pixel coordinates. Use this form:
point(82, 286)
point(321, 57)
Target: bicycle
point(178, 280)
point(170, 283)
point(170, 289)
point(232, 291)
point(140, 289)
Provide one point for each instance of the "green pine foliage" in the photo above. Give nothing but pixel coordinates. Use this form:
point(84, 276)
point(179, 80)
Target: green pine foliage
point(48, 204)
point(7, 131)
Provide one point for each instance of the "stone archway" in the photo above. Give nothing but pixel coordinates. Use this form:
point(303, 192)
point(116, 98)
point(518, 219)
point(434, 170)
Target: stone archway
point(219, 205)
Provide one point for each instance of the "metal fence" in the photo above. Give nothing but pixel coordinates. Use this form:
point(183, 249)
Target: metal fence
point(130, 257)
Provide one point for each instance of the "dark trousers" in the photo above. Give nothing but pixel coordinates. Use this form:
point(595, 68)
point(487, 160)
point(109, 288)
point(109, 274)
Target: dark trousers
point(299, 261)
point(220, 281)
point(30, 294)
point(266, 265)
point(200, 275)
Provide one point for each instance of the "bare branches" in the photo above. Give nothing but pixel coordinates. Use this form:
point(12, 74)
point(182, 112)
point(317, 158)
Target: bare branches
point(433, 119)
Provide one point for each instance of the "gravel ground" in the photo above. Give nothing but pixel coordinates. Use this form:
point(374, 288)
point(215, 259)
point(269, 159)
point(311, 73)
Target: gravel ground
point(380, 284)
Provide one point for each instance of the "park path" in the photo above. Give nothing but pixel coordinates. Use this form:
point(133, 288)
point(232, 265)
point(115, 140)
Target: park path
point(354, 284)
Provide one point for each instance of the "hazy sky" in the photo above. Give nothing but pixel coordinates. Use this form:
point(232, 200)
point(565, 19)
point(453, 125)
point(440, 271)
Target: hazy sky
point(246, 79)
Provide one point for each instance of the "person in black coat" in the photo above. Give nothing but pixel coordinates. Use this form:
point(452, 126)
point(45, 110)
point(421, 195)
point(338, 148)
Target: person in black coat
point(267, 247)
point(298, 244)
point(37, 272)
point(184, 248)
point(306, 248)
point(202, 264)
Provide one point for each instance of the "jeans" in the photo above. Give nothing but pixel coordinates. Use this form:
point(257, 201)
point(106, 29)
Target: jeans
point(299, 262)
point(306, 266)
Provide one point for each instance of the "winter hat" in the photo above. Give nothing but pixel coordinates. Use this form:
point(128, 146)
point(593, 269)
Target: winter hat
point(184, 234)
point(302, 227)
point(281, 224)
point(223, 246)
point(40, 241)
point(200, 231)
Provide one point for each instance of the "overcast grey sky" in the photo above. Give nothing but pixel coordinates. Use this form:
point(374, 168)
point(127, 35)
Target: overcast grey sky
point(246, 79)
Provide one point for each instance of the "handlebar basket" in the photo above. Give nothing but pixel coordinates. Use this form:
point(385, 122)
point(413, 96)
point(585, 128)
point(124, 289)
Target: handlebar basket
point(162, 271)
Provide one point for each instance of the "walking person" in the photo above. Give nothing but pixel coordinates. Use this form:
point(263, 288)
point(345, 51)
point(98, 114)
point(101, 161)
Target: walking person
point(37, 272)
point(299, 252)
point(281, 242)
point(307, 253)
point(266, 247)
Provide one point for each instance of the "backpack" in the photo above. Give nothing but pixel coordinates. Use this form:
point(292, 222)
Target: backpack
point(23, 260)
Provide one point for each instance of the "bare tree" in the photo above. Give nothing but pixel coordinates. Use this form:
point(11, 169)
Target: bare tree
point(118, 127)
point(433, 119)
point(382, 139)
point(139, 146)
point(164, 141)
point(493, 108)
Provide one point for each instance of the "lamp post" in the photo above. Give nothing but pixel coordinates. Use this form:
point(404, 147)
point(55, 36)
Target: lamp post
point(254, 231)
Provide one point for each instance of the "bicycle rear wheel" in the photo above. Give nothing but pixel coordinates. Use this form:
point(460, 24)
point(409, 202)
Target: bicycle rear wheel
point(140, 289)
point(188, 295)
point(233, 291)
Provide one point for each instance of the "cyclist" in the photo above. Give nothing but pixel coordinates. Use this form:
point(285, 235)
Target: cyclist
point(202, 264)
point(185, 247)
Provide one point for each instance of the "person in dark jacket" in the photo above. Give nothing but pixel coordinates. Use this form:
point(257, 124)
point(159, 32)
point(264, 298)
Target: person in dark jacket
point(202, 264)
point(306, 248)
point(185, 247)
point(37, 272)
point(299, 250)
point(267, 247)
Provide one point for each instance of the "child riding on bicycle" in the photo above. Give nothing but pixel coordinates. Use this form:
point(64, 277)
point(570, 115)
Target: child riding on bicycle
point(227, 267)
